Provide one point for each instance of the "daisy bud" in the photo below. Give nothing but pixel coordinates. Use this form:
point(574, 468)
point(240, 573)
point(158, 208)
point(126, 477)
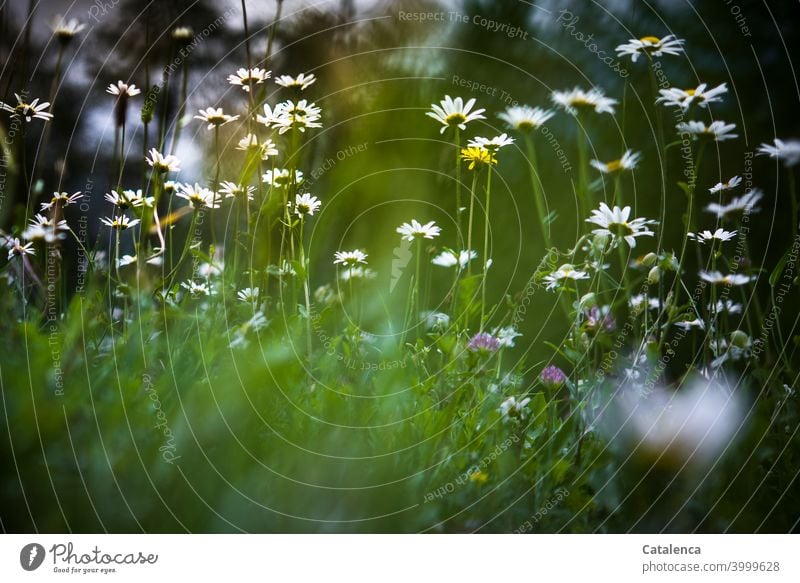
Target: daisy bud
point(587, 301)
point(149, 107)
point(649, 259)
point(740, 339)
point(654, 275)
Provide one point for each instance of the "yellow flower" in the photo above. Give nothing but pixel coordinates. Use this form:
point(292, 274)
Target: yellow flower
point(476, 155)
point(478, 477)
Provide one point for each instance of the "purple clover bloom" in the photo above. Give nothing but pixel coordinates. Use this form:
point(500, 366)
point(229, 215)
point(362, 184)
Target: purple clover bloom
point(552, 376)
point(484, 342)
point(600, 320)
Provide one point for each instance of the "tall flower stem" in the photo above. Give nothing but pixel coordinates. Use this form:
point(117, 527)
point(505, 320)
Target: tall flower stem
point(486, 245)
point(272, 29)
point(458, 181)
point(470, 218)
point(417, 305)
point(53, 89)
point(121, 155)
point(689, 225)
point(216, 182)
point(583, 177)
point(306, 291)
point(538, 196)
point(186, 246)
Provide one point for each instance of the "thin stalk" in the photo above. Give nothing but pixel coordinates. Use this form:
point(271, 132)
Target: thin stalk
point(273, 27)
point(306, 277)
point(471, 213)
point(583, 177)
point(121, 156)
point(458, 180)
point(486, 245)
point(216, 182)
point(537, 191)
point(417, 306)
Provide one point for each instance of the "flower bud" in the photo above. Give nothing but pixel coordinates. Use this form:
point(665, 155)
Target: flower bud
point(654, 275)
point(649, 259)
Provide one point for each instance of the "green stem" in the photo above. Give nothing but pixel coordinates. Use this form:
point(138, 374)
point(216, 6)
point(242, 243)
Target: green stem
point(537, 191)
point(458, 180)
point(486, 245)
point(471, 213)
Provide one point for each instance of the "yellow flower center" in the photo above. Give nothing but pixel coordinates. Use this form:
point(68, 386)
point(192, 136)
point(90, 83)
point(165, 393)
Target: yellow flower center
point(614, 166)
point(620, 229)
point(691, 92)
point(650, 39)
point(525, 126)
point(455, 119)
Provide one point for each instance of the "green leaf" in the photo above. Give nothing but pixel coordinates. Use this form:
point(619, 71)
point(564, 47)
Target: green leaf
point(776, 273)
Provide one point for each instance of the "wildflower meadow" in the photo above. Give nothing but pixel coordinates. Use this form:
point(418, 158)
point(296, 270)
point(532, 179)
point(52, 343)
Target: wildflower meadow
point(399, 267)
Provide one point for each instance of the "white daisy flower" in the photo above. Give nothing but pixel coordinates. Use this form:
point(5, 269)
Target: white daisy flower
point(745, 204)
point(577, 100)
point(122, 89)
point(197, 290)
point(182, 33)
point(723, 186)
point(685, 98)
point(306, 205)
point(233, 190)
point(435, 320)
point(416, 230)
point(120, 222)
point(615, 224)
point(350, 258)
point(16, 248)
point(719, 235)
point(246, 78)
point(718, 131)
point(290, 115)
point(302, 81)
point(161, 163)
point(257, 322)
point(629, 161)
point(209, 270)
point(449, 258)
point(651, 45)
point(786, 151)
point(524, 118)
point(126, 260)
point(728, 306)
point(455, 113)
point(171, 186)
point(563, 273)
point(506, 336)
point(265, 149)
point(248, 294)
point(215, 117)
point(687, 325)
point(492, 145)
point(717, 278)
point(61, 198)
point(511, 409)
point(358, 272)
point(638, 302)
point(28, 111)
point(198, 196)
point(65, 30)
point(126, 199)
point(42, 228)
point(281, 177)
